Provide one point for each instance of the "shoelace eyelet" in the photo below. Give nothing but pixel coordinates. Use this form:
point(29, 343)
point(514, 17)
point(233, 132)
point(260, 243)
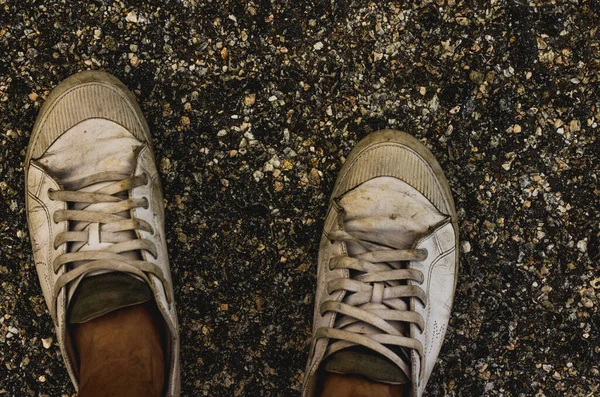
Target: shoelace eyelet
point(50, 190)
point(145, 174)
point(147, 203)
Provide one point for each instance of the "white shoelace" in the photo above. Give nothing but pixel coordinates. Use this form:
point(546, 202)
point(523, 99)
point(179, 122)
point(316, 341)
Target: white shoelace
point(374, 299)
point(111, 222)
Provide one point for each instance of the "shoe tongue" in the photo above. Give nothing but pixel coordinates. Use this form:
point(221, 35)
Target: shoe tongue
point(98, 295)
point(387, 212)
point(92, 147)
point(94, 229)
point(358, 360)
point(102, 292)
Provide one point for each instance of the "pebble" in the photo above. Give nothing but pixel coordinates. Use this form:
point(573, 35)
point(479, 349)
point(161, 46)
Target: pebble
point(314, 177)
point(476, 77)
point(575, 126)
point(258, 175)
point(47, 342)
point(465, 246)
point(131, 17)
point(250, 99)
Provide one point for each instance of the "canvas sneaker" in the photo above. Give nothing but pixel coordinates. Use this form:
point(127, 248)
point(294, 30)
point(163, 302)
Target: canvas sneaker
point(387, 267)
point(95, 211)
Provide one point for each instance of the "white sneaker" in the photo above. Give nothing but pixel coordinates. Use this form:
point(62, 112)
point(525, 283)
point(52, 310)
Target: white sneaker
point(95, 207)
point(387, 266)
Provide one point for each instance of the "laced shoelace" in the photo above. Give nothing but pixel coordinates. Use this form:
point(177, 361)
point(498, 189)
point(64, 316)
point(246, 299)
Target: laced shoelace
point(112, 222)
point(375, 294)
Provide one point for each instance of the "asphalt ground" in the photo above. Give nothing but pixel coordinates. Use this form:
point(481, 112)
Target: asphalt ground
point(253, 106)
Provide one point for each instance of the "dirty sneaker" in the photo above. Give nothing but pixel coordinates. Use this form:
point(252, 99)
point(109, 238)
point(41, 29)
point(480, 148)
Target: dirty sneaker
point(95, 211)
point(387, 267)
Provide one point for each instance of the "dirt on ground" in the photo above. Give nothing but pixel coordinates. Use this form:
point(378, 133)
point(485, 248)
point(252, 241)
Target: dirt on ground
point(253, 106)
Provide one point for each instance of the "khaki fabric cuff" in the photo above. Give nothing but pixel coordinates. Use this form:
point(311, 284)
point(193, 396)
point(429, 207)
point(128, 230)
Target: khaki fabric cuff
point(99, 295)
point(363, 362)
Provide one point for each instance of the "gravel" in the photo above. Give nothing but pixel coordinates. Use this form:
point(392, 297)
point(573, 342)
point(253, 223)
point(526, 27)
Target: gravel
point(253, 106)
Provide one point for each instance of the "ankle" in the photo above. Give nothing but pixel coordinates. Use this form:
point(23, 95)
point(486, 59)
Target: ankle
point(122, 349)
point(336, 385)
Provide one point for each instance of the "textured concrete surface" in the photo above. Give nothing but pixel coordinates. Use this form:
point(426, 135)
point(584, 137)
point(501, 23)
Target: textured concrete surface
point(253, 106)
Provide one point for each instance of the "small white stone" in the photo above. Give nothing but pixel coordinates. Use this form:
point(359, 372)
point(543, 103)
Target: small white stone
point(434, 103)
point(275, 161)
point(132, 17)
point(272, 98)
point(466, 247)
point(582, 245)
point(318, 46)
point(547, 367)
point(258, 176)
point(46, 342)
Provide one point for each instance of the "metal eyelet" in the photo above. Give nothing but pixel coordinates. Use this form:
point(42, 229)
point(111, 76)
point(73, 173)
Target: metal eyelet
point(147, 204)
point(50, 190)
point(145, 174)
